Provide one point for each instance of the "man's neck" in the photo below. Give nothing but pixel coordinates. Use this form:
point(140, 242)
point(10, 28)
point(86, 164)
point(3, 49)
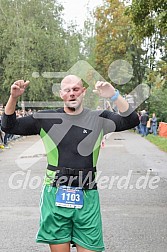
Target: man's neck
point(73, 112)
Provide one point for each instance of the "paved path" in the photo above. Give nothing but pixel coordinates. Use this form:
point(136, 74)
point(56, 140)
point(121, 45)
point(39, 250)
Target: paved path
point(134, 219)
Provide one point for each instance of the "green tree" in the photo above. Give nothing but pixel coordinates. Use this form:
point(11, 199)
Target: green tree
point(112, 34)
point(33, 39)
point(149, 17)
point(114, 42)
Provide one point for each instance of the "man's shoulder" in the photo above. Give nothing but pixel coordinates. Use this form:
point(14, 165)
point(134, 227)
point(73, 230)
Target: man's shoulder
point(48, 111)
point(102, 113)
point(93, 112)
point(47, 114)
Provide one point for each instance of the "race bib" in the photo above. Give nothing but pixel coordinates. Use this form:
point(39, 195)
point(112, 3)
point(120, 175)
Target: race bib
point(71, 197)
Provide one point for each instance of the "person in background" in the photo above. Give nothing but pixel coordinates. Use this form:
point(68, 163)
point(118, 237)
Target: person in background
point(1, 133)
point(148, 127)
point(154, 124)
point(138, 127)
point(143, 121)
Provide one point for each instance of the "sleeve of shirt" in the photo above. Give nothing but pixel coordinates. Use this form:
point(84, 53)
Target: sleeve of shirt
point(20, 126)
point(119, 122)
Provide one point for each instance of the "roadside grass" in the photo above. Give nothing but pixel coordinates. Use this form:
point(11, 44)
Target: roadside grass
point(160, 142)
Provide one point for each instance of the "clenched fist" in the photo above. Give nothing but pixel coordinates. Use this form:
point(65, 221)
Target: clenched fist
point(18, 88)
point(104, 89)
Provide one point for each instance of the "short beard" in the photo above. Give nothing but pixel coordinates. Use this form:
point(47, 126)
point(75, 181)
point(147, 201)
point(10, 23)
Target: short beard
point(72, 109)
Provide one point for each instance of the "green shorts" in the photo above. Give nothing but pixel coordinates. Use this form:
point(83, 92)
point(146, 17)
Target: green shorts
point(60, 224)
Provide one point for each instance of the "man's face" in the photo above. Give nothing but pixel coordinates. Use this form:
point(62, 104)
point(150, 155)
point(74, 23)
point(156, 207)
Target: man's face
point(72, 92)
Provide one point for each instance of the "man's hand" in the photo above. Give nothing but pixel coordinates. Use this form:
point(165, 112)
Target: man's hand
point(18, 88)
point(104, 89)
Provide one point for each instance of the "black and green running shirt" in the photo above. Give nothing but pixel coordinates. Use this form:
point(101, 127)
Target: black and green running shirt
point(70, 140)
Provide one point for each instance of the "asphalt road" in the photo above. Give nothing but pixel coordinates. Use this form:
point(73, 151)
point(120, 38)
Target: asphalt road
point(132, 179)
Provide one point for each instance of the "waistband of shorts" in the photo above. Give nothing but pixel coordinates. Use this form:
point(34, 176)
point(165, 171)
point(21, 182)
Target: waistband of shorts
point(82, 177)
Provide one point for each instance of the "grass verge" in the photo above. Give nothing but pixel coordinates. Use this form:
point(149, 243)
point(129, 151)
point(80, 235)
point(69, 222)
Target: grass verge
point(160, 142)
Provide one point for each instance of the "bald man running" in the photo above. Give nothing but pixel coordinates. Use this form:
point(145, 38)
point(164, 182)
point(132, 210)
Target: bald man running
point(70, 209)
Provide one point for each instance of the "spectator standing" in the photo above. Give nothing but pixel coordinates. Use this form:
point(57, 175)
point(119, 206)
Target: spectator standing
point(154, 124)
point(148, 127)
point(138, 127)
point(143, 120)
point(1, 134)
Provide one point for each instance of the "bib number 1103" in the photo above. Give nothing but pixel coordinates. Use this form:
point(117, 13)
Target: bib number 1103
point(70, 197)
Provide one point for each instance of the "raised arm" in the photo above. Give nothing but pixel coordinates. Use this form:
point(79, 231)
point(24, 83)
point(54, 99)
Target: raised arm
point(19, 126)
point(17, 89)
point(106, 90)
point(125, 119)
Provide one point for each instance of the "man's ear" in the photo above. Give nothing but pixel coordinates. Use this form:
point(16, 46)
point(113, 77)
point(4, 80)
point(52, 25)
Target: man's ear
point(60, 94)
point(84, 91)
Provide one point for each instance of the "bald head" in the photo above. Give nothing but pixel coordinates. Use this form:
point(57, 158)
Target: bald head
point(72, 93)
point(71, 79)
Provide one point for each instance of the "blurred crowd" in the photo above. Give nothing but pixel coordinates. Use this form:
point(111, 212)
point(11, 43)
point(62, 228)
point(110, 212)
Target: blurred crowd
point(5, 138)
point(148, 124)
